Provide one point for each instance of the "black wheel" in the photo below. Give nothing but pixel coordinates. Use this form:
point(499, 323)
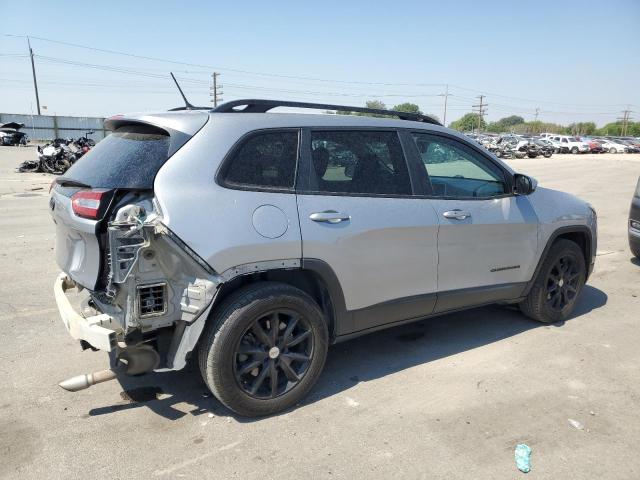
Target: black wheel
point(558, 284)
point(574, 150)
point(635, 251)
point(264, 349)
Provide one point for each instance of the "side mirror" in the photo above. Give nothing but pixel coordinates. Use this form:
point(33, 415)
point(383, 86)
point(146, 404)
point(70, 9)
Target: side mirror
point(523, 184)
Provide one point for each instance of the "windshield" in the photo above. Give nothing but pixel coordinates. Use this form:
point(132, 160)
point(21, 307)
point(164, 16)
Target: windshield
point(128, 158)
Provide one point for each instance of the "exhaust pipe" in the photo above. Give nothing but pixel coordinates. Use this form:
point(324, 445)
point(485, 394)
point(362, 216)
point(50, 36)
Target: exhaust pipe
point(80, 382)
point(136, 360)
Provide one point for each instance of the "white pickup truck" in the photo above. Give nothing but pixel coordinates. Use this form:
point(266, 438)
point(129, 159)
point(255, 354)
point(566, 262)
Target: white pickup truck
point(567, 144)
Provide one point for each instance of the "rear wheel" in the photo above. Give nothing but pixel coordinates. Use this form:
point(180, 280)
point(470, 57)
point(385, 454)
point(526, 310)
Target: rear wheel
point(612, 150)
point(558, 284)
point(265, 349)
point(574, 150)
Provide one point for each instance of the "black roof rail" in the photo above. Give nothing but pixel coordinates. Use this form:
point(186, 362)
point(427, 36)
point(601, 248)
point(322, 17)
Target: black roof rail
point(262, 106)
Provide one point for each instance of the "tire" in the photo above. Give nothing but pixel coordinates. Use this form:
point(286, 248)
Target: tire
point(541, 304)
point(237, 350)
point(574, 150)
point(635, 251)
point(613, 150)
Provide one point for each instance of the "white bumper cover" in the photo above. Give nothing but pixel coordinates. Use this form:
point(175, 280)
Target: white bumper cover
point(99, 331)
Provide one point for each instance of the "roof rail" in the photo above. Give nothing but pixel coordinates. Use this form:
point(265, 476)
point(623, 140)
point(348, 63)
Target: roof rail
point(262, 106)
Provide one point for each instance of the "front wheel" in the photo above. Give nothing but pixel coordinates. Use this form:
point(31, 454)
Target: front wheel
point(574, 150)
point(264, 349)
point(558, 284)
point(613, 150)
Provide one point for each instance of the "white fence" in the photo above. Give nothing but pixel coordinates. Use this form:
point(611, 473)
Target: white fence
point(48, 127)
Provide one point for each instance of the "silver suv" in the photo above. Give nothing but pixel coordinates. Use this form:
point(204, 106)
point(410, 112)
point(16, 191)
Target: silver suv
point(254, 240)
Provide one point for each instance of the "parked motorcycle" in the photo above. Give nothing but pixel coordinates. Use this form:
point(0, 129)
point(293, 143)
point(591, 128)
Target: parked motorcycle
point(58, 156)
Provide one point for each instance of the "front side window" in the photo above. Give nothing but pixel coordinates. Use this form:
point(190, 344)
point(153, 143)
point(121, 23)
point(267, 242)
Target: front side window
point(456, 171)
point(358, 162)
point(264, 160)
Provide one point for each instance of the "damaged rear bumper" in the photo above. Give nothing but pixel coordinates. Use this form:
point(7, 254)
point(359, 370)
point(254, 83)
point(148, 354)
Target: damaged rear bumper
point(99, 331)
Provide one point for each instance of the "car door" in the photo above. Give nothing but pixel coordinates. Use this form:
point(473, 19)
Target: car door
point(358, 217)
point(487, 238)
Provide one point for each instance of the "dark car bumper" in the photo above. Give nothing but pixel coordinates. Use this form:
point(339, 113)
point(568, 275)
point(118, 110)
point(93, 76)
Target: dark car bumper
point(634, 233)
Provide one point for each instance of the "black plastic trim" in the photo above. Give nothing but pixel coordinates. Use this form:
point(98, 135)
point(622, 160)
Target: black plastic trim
point(554, 236)
point(476, 296)
point(262, 106)
point(343, 318)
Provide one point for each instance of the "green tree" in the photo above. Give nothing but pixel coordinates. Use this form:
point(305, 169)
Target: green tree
point(582, 128)
point(505, 124)
point(407, 108)
point(377, 104)
point(468, 123)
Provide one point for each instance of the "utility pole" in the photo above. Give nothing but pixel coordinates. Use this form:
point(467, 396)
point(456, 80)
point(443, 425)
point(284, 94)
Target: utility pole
point(446, 96)
point(537, 112)
point(216, 90)
point(625, 121)
point(33, 70)
point(481, 110)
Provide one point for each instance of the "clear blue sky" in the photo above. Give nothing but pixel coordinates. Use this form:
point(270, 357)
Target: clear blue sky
point(575, 60)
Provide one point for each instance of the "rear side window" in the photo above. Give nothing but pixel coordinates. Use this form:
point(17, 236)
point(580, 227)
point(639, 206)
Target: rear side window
point(358, 162)
point(128, 158)
point(266, 159)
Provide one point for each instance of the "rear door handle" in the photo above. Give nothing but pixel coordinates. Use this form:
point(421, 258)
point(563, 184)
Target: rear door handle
point(329, 216)
point(457, 214)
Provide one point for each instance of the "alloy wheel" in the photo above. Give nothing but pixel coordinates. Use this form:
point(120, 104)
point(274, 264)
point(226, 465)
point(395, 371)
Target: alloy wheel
point(273, 354)
point(563, 282)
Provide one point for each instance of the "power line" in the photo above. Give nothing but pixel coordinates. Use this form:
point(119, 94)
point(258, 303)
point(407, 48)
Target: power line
point(446, 96)
point(216, 92)
point(296, 77)
point(625, 121)
point(481, 112)
point(33, 70)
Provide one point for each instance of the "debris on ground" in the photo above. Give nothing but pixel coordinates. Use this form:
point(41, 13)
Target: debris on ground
point(576, 424)
point(523, 457)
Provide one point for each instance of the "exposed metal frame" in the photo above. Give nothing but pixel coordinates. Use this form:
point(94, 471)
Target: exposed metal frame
point(263, 106)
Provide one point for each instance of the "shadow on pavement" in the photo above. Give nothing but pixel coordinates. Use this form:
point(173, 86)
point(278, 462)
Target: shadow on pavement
point(174, 395)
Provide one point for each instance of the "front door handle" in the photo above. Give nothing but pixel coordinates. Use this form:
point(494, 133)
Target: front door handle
point(457, 214)
point(329, 216)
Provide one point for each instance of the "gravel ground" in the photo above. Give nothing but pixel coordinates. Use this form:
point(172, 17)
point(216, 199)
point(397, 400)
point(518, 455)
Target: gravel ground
point(444, 398)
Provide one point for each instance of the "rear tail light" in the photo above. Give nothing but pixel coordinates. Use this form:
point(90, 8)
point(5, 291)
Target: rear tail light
point(86, 203)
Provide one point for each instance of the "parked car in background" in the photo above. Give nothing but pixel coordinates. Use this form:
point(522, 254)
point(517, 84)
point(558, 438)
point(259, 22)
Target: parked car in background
point(594, 145)
point(10, 134)
point(634, 222)
point(611, 146)
point(400, 218)
point(631, 146)
point(570, 144)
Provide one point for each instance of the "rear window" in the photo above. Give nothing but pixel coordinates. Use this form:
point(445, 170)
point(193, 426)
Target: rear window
point(128, 158)
point(264, 160)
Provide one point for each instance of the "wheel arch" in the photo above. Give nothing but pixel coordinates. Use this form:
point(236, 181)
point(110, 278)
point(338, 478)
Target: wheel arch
point(579, 234)
point(314, 277)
